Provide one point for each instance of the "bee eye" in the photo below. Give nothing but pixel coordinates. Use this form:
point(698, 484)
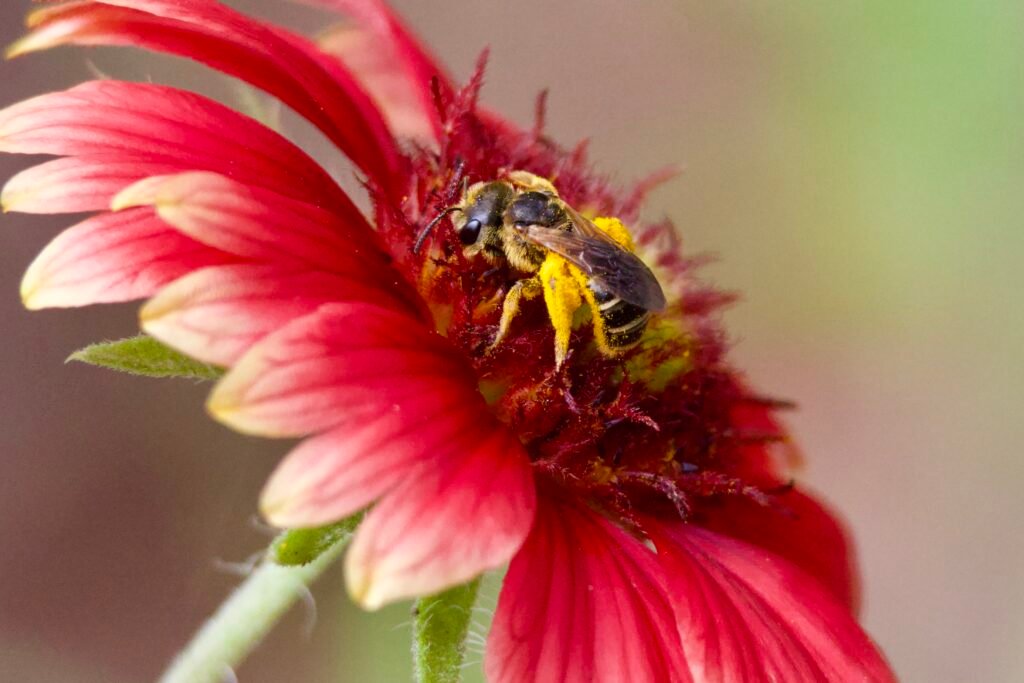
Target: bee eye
point(469, 232)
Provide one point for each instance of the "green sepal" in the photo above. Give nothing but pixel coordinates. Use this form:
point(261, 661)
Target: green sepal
point(143, 355)
point(297, 547)
point(440, 626)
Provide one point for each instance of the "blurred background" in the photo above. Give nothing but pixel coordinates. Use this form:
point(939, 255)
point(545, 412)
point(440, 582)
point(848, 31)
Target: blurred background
point(858, 167)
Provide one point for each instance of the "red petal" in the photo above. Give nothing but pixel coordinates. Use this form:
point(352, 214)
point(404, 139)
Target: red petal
point(259, 224)
point(466, 509)
point(112, 257)
point(285, 65)
point(583, 601)
point(798, 528)
point(412, 61)
point(343, 360)
point(340, 472)
point(76, 184)
point(216, 314)
point(746, 615)
point(137, 123)
point(380, 71)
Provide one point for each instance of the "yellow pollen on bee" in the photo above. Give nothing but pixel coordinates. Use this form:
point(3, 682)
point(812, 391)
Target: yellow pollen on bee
point(565, 288)
point(588, 296)
point(616, 230)
point(562, 296)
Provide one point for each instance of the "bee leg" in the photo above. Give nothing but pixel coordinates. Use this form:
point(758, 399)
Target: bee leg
point(523, 289)
point(600, 335)
point(562, 297)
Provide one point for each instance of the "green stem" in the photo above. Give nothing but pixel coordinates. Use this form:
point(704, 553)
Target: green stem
point(440, 625)
point(242, 621)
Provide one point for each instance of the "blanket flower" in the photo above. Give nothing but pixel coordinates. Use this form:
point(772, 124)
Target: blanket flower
point(639, 494)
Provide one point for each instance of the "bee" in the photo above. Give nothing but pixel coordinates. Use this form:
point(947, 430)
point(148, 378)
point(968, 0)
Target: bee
point(521, 220)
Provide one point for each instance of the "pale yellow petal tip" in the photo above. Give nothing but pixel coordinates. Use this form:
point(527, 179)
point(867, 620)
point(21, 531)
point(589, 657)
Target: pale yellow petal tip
point(363, 591)
point(273, 511)
point(18, 48)
point(30, 290)
point(222, 408)
point(32, 42)
point(277, 510)
point(13, 197)
point(370, 585)
point(146, 192)
point(230, 412)
point(37, 16)
point(152, 311)
point(30, 300)
point(132, 196)
point(229, 404)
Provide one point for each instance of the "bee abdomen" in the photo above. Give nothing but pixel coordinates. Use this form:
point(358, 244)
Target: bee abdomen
point(624, 323)
point(630, 331)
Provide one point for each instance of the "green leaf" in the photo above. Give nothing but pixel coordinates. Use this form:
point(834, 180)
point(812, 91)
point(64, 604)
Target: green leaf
point(297, 547)
point(440, 625)
point(145, 356)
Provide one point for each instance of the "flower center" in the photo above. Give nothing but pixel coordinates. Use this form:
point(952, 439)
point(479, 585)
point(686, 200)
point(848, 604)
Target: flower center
point(636, 427)
point(631, 407)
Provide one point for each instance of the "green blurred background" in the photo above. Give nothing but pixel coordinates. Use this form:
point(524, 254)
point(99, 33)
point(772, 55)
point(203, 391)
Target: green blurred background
point(857, 165)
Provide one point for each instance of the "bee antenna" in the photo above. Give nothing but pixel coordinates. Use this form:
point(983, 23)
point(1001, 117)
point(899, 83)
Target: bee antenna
point(422, 237)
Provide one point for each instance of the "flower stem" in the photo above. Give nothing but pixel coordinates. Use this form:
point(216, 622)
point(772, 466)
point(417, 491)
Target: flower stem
point(242, 621)
point(440, 625)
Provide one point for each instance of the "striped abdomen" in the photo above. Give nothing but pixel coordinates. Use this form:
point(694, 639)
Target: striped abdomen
point(623, 323)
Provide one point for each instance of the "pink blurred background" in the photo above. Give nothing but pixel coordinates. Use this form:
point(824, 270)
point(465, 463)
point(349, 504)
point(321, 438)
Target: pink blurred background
point(857, 166)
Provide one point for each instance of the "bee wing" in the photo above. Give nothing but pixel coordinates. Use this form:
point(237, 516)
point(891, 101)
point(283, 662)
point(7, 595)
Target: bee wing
point(593, 251)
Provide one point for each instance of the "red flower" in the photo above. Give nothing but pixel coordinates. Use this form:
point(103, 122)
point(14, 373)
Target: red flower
point(651, 532)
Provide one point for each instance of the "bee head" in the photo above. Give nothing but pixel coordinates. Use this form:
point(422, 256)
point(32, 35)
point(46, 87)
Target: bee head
point(475, 233)
point(469, 233)
point(479, 223)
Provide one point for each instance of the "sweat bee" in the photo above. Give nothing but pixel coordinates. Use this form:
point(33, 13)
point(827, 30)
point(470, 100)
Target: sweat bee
point(522, 220)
